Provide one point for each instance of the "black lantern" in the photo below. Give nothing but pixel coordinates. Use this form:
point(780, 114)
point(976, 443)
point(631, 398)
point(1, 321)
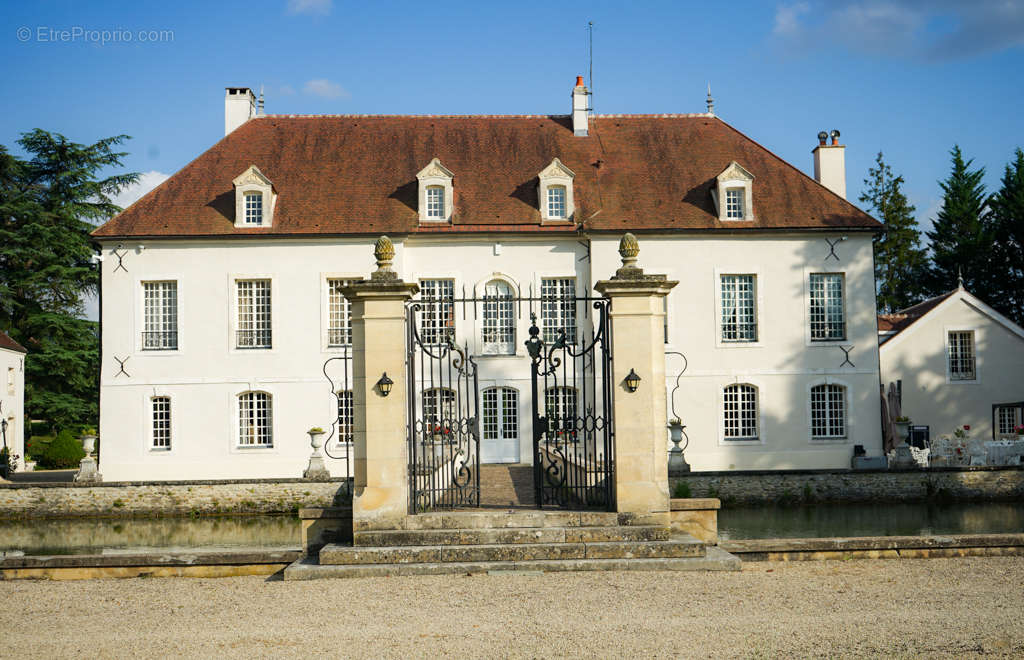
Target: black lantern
point(632, 381)
point(384, 385)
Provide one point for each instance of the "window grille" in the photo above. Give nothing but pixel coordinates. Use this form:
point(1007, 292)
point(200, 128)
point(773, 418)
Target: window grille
point(556, 202)
point(254, 420)
point(254, 314)
point(161, 422)
point(500, 413)
point(499, 327)
point(828, 316)
point(254, 208)
point(828, 411)
point(339, 314)
point(160, 316)
point(435, 202)
point(437, 318)
point(961, 355)
point(560, 408)
point(734, 203)
point(558, 308)
point(740, 412)
point(346, 416)
point(739, 315)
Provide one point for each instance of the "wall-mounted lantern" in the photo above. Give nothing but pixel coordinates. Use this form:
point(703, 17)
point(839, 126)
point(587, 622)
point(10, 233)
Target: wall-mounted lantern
point(384, 385)
point(632, 381)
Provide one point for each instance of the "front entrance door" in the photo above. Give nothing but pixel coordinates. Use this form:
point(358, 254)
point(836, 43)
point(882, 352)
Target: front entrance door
point(500, 441)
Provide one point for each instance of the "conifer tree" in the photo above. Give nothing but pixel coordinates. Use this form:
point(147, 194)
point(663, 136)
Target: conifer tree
point(1007, 217)
point(900, 261)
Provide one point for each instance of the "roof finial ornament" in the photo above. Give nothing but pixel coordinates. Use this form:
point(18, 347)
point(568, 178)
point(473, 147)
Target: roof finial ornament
point(259, 104)
point(384, 253)
point(629, 249)
point(959, 277)
point(711, 101)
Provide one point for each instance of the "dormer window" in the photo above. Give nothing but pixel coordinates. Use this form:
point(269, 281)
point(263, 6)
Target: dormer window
point(255, 199)
point(733, 194)
point(555, 192)
point(435, 195)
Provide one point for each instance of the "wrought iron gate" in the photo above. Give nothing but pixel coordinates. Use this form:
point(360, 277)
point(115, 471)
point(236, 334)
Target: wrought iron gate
point(573, 430)
point(444, 403)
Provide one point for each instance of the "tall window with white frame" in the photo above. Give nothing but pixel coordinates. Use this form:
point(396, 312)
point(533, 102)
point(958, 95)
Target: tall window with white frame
point(560, 408)
point(499, 327)
point(1008, 419)
point(739, 413)
point(827, 309)
point(437, 318)
point(556, 203)
point(961, 355)
point(734, 203)
point(254, 208)
point(438, 411)
point(739, 308)
point(345, 416)
point(435, 202)
point(160, 316)
point(339, 314)
point(500, 413)
point(254, 321)
point(558, 308)
point(255, 420)
point(828, 412)
point(161, 422)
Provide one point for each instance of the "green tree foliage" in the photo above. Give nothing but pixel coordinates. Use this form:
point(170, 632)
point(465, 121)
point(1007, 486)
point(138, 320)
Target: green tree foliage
point(900, 261)
point(49, 203)
point(64, 452)
point(1007, 217)
point(962, 238)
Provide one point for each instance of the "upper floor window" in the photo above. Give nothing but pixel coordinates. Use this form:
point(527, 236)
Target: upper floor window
point(254, 321)
point(961, 355)
point(254, 208)
point(254, 199)
point(739, 412)
point(558, 308)
point(339, 314)
point(435, 192)
point(556, 202)
point(828, 411)
point(499, 326)
point(255, 419)
point(733, 193)
point(161, 422)
point(827, 311)
point(437, 315)
point(739, 312)
point(435, 203)
point(555, 192)
point(734, 203)
point(160, 316)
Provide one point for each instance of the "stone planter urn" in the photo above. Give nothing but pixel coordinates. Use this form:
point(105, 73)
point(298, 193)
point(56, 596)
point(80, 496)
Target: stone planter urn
point(89, 444)
point(30, 465)
point(903, 430)
point(316, 468)
point(87, 468)
point(316, 440)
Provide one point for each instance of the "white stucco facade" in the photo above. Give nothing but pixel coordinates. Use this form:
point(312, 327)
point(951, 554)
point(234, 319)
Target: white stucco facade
point(205, 374)
point(12, 401)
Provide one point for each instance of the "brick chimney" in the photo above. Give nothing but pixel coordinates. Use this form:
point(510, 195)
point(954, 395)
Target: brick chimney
point(830, 163)
point(580, 108)
point(239, 107)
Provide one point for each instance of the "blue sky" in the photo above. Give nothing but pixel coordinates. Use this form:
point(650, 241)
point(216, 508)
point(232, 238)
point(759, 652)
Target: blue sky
point(907, 77)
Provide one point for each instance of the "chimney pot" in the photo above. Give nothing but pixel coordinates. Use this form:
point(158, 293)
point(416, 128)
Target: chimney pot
point(579, 81)
point(580, 108)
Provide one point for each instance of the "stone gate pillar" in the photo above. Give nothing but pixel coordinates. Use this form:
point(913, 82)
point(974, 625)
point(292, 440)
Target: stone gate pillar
point(380, 498)
point(638, 344)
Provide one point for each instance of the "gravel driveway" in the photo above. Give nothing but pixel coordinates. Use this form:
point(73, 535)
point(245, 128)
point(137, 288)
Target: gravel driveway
point(913, 608)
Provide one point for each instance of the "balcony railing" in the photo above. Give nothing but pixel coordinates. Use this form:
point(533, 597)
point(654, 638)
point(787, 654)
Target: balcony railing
point(253, 338)
point(165, 340)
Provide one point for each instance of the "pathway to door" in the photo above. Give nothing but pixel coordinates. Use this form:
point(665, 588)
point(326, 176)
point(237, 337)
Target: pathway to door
point(507, 485)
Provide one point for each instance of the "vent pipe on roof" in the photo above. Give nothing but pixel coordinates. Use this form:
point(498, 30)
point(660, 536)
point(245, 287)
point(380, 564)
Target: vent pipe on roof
point(580, 108)
point(239, 107)
point(830, 163)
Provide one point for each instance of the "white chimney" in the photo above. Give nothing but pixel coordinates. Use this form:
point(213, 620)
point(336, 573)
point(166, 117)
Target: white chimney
point(830, 163)
point(580, 108)
point(239, 107)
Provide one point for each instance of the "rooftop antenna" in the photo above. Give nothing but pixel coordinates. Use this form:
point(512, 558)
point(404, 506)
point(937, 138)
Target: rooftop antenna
point(590, 45)
point(960, 277)
point(259, 104)
point(711, 101)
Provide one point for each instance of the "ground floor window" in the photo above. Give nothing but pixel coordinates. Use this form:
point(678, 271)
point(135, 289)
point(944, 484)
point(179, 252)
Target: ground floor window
point(255, 415)
point(161, 422)
point(828, 411)
point(739, 412)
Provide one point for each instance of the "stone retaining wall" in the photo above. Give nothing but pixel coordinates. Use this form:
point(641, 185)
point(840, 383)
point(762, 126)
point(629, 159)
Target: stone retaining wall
point(169, 498)
point(837, 486)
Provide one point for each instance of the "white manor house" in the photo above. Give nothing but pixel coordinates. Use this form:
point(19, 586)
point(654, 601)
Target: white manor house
point(223, 288)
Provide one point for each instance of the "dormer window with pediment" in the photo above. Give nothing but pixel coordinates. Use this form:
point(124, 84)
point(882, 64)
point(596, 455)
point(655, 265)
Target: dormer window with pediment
point(254, 199)
point(435, 194)
point(554, 193)
point(733, 194)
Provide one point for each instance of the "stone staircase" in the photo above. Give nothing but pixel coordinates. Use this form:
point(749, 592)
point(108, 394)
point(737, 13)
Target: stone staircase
point(514, 540)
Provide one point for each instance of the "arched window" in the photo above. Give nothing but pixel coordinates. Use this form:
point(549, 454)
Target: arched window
point(560, 408)
point(438, 410)
point(739, 412)
point(345, 416)
point(828, 411)
point(499, 327)
point(255, 419)
point(556, 202)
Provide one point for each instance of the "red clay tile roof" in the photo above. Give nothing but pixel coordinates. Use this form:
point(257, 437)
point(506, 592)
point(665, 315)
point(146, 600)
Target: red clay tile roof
point(357, 175)
point(10, 344)
point(899, 321)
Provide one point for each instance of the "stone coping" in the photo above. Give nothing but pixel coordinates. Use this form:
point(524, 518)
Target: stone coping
point(172, 557)
point(845, 471)
point(15, 485)
point(329, 512)
point(873, 543)
point(695, 504)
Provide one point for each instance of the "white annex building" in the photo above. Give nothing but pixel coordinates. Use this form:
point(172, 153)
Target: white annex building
point(12, 397)
point(222, 288)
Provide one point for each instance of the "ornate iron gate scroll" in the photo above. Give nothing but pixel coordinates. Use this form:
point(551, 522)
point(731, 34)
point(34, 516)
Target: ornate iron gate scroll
point(573, 430)
point(444, 403)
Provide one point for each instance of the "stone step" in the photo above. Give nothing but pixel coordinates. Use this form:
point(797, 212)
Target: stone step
point(681, 545)
point(504, 536)
point(477, 519)
point(716, 559)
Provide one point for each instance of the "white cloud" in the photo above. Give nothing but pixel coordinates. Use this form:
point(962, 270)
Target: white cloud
point(286, 90)
point(325, 89)
point(320, 7)
point(787, 18)
point(133, 193)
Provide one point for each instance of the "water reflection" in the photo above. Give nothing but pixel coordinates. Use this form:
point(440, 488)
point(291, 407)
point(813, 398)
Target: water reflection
point(93, 535)
point(844, 520)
